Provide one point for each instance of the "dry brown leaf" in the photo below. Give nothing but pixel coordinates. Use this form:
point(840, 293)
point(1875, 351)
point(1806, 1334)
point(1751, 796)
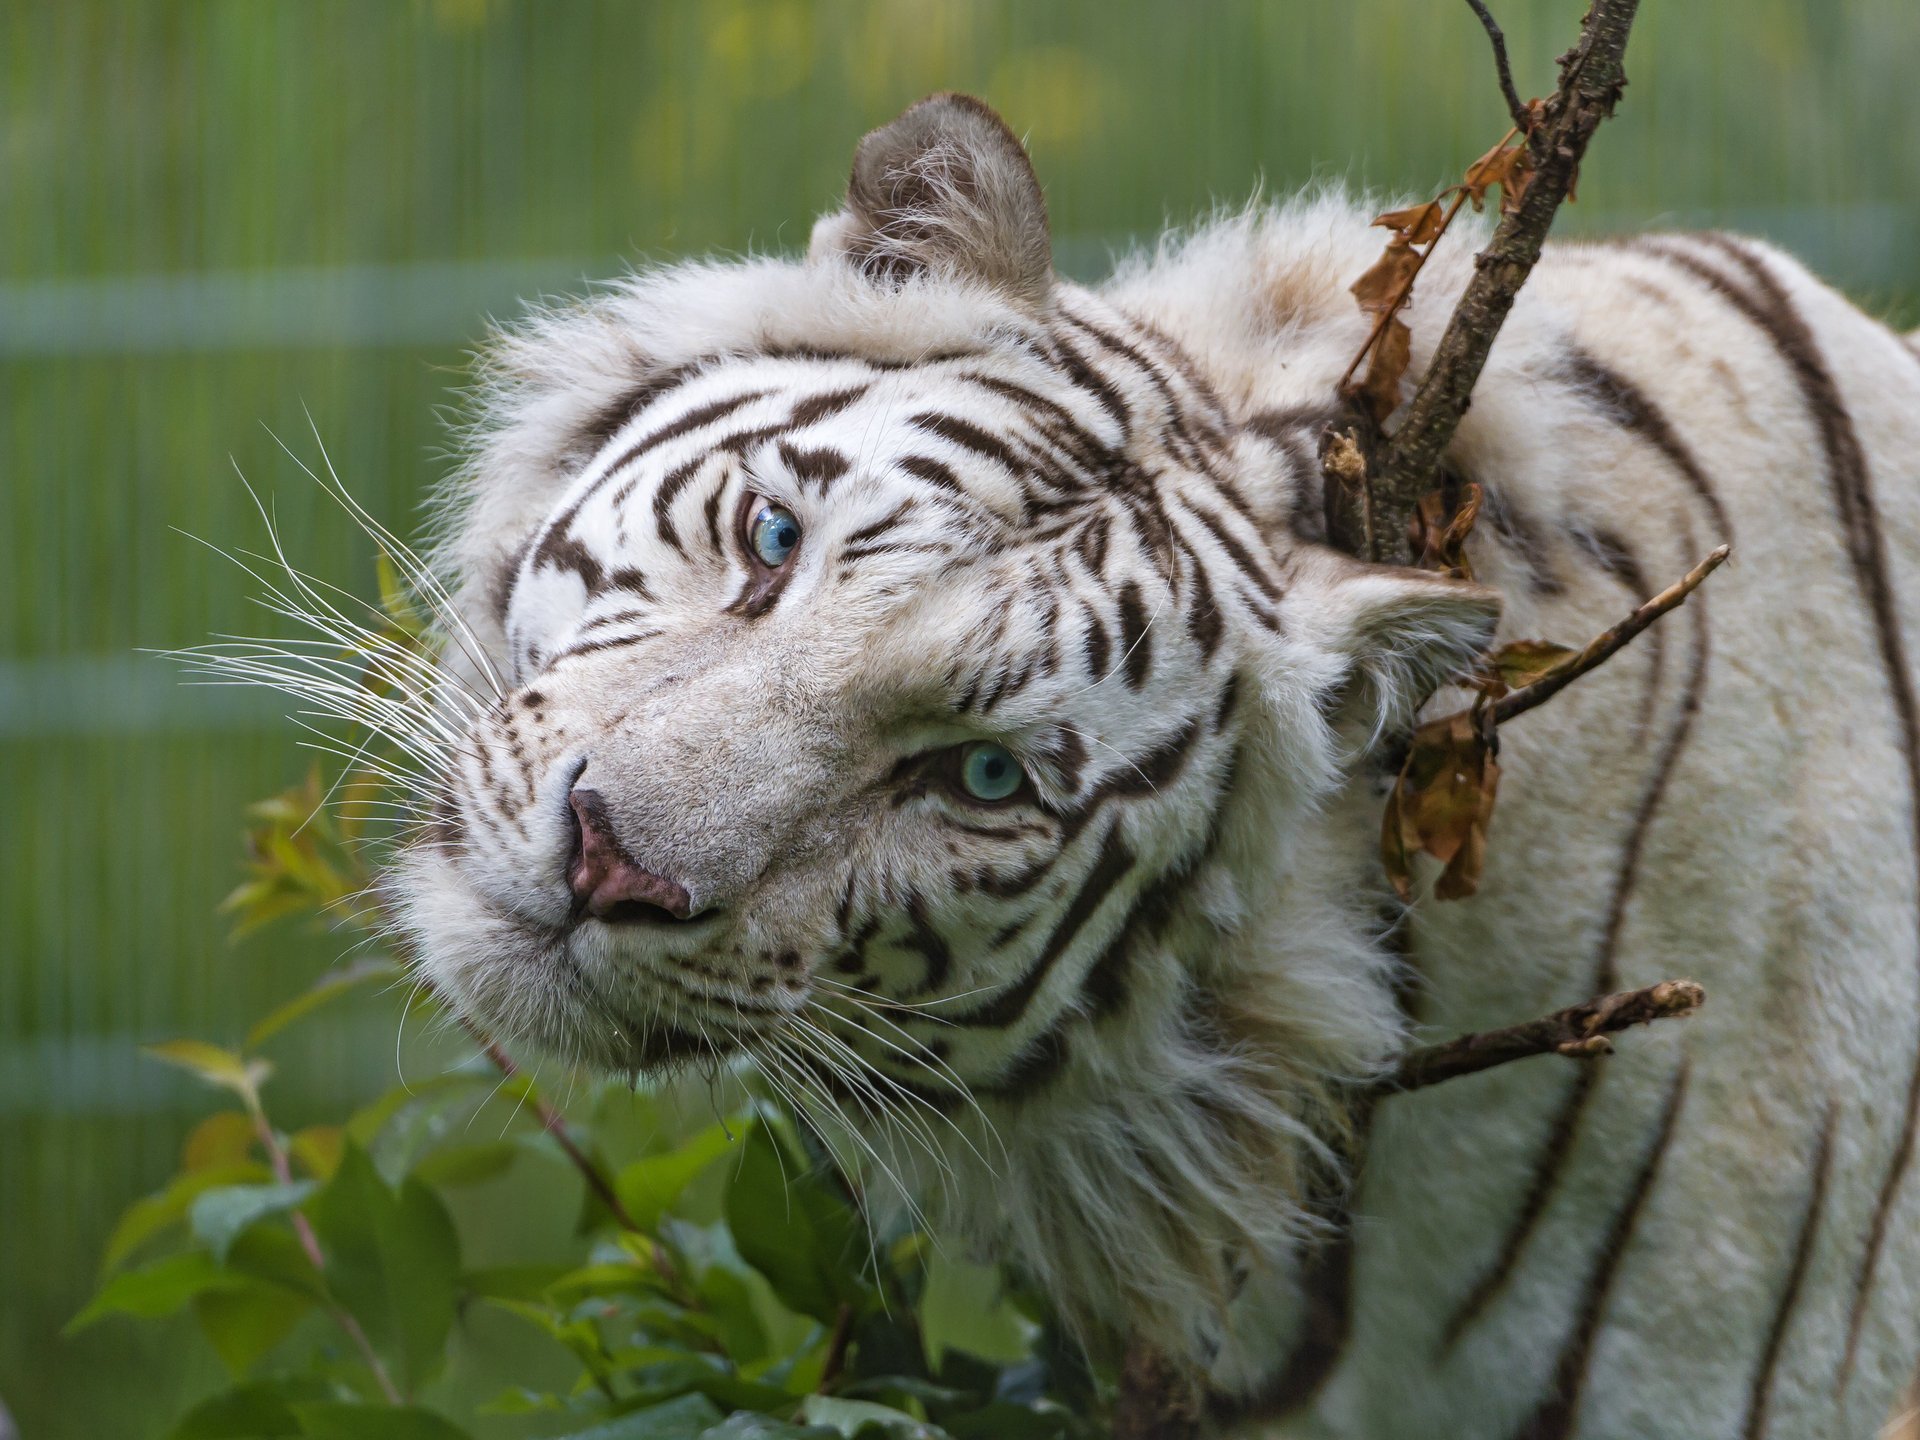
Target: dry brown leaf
point(1438, 537)
point(1520, 663)
point(1496, 167)
point(1442, 804)
point(1389, 278)
point(1379, 388)
point(1514, 188)
point(1417, 224)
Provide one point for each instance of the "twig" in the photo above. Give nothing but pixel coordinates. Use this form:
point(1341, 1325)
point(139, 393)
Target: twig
point(555, 1124)
point(1605, 644)
point(836, 1348)
point(1386, 316)
point(310, 1243)
point(1403, 467)
point(1578, 1032)
point(1516, 107)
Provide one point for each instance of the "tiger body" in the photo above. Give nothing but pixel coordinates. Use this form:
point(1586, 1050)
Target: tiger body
point(1110, 1026)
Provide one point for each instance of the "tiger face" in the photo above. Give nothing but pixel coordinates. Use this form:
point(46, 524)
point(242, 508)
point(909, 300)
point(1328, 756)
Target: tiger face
point(900, 661)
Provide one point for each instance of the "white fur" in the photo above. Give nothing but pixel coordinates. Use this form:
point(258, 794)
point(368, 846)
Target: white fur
point(1160, 1182)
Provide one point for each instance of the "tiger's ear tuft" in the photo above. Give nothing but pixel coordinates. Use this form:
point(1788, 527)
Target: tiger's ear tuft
point(946, 188)
point(1397, 634)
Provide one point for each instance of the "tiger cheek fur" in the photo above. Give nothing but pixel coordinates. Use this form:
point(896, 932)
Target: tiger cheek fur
point(923, 674)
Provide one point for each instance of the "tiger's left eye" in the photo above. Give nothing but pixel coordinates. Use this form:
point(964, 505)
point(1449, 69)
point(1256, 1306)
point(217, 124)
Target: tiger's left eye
point(772, 535)
point(989, 772)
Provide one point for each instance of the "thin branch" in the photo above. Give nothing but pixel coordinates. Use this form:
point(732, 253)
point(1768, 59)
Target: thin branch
point(555, 1124)
point(1405, 465)
point(836, 1360)
point(1387, 316)
point(1606, 644)
point(1516, 107)
point(310, 1243)
point(1578, 1032)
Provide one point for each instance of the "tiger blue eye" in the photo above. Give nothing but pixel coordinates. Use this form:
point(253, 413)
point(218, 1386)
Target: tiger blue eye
point(989, 771)
point(773, 534)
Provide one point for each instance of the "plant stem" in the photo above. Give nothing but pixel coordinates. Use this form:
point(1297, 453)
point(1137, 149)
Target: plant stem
point(310, 1242)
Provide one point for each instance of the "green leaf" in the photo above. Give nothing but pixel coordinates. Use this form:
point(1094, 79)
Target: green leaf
point(457, 1165)
point(260, 1411)
point(274, 1255)
point(336, 1421)
point(511, 1282)
point(243, 1325)
point(729, 1301)
point(686, 1418)
point(218, 1216)
point(318, 1148)
point(579, 1336)
point(224, 1138)
point(852, 1417)
point(393, 1260)
point(371, 1119)
point(157, 1289)
point(794, 1229)
point(327, 988)
point(648, 1186)
point(746, 1426)
point(216, 1066)
point(964, 1307)
point(152, 1214)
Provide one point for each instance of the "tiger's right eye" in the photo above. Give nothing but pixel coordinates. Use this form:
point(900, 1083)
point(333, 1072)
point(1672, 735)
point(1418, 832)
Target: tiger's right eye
point(989, 772)
point(772, 535)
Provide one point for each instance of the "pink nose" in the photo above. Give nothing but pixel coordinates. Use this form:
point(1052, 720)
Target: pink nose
point(605, 880)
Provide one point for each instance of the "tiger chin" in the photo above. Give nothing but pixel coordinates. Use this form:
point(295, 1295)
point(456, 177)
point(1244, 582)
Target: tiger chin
point(929, 678)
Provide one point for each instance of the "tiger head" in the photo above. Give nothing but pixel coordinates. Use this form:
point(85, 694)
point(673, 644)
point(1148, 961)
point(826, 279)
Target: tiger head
point(902, 666)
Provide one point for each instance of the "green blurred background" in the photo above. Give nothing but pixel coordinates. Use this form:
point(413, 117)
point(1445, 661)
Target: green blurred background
point(219, 218)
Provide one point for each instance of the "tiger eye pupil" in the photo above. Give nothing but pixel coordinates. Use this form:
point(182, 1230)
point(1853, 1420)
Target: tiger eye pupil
point(773, 535)
point(989, 771)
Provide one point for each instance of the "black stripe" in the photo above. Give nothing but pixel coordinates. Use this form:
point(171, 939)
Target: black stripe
point(1085, 377)
point(931, 471)
point(1136, 649)
point(819, 467)
point(1759, 1399)
point(697, 418)
point(1241, 556)
point(1006, 1008)
point(819, 407)
point(1551, 1162)
point(1630, 408)
point(1554, 1417)
point(677, 479)
point(1771, 309)
point(967, 436)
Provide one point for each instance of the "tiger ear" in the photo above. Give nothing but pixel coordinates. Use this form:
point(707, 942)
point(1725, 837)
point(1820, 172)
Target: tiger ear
point(1396, 634)
point(946, 188)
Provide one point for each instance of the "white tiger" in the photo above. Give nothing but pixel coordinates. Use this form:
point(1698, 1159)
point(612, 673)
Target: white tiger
point(927, 675)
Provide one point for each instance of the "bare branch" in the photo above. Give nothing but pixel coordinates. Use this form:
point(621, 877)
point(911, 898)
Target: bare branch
point(1406, 464)
point(1578, 1032)
point(1516, 107)
point(1606, 644)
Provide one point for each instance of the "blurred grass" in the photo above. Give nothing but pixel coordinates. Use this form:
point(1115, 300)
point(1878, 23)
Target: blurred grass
point(222, 217)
